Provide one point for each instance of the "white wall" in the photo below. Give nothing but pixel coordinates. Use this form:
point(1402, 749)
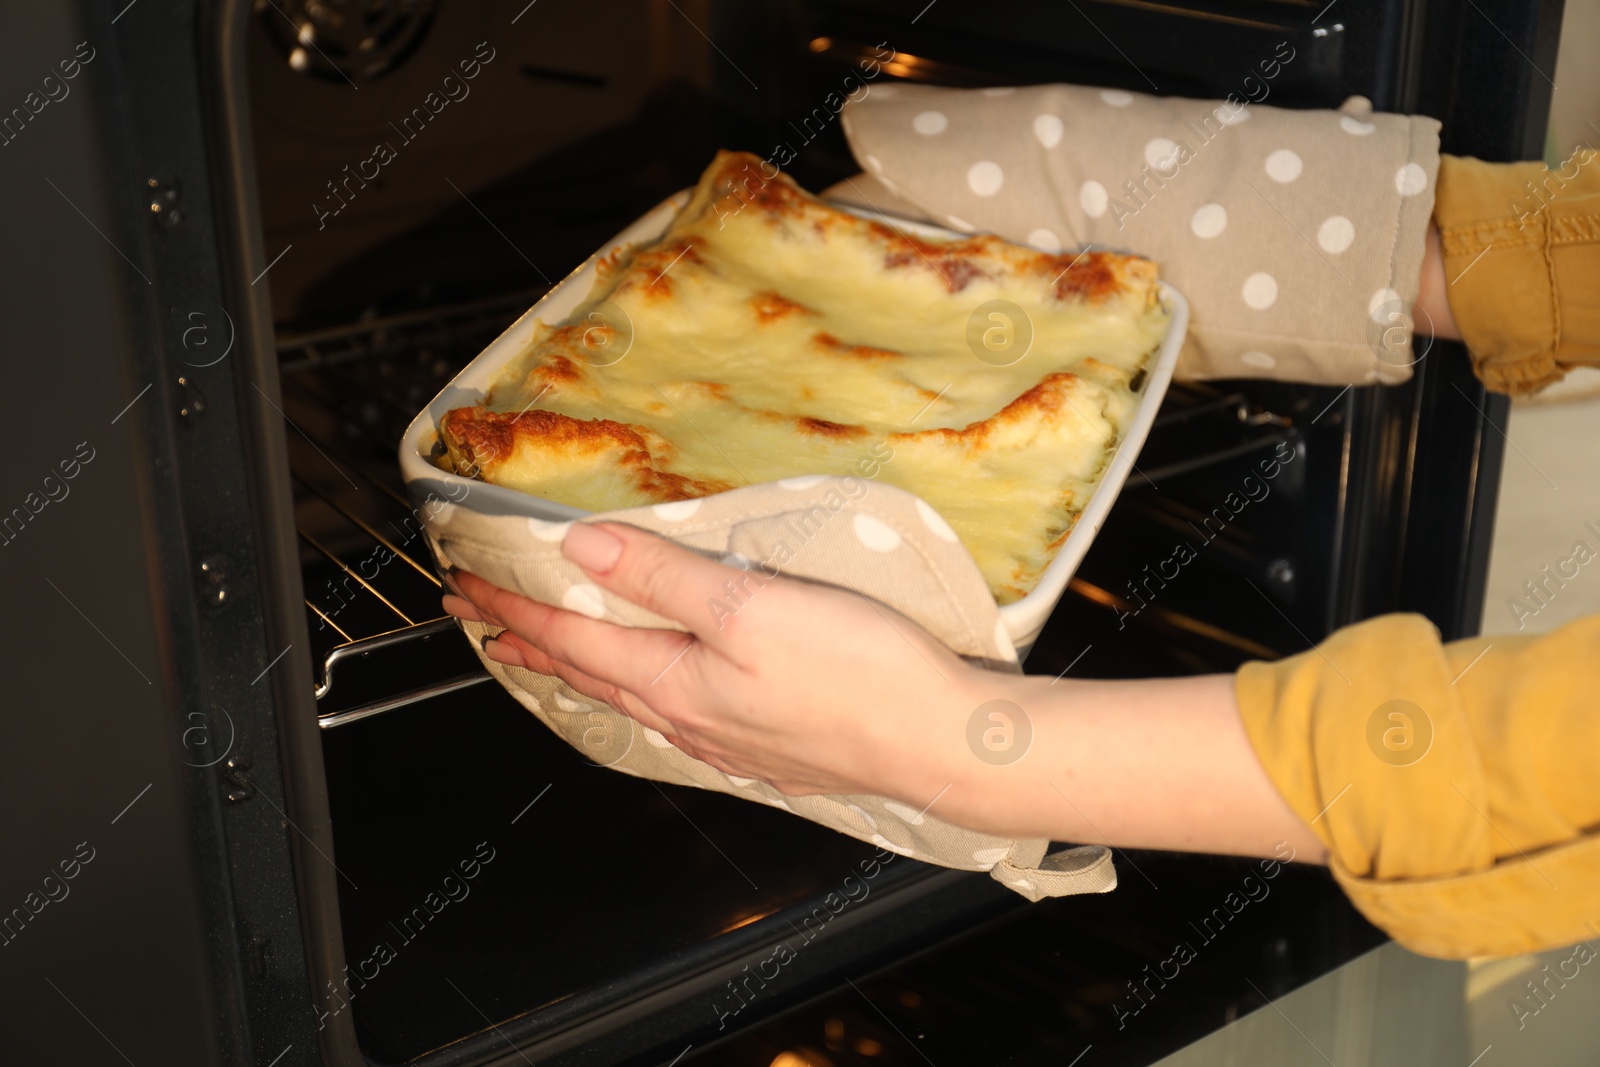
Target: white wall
point(1575, 103)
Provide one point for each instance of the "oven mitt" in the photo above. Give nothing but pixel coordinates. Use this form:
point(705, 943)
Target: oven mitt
point(874, 539)
point(1296, 235)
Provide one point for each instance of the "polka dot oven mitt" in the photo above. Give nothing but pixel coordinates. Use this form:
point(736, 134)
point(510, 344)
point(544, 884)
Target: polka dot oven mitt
point(1296, 235)
point(871, 538)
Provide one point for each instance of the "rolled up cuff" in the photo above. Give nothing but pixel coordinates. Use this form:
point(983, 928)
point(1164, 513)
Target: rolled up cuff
point(1521, 248)
point(1450, 784)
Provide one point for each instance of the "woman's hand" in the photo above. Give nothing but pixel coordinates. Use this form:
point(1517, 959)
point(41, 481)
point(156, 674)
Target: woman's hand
point(804, 686)
point(816, 690)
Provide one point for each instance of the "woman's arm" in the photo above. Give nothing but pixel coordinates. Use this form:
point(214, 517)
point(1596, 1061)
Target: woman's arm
point(1160, 763)
point(818, 690)
point(1433, 295)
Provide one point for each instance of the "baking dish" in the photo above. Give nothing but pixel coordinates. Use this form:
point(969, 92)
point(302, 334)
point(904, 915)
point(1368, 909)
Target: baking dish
point(1023, 619)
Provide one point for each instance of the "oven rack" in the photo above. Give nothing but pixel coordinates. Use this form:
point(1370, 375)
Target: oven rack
point(379, 641)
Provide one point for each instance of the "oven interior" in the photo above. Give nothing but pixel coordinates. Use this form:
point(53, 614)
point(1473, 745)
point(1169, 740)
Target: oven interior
point(603, 904)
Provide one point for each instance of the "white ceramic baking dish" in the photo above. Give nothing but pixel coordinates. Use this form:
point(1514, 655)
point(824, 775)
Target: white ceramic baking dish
point(1023, 619)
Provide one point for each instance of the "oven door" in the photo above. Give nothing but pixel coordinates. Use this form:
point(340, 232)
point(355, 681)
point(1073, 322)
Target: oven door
point(324, 835)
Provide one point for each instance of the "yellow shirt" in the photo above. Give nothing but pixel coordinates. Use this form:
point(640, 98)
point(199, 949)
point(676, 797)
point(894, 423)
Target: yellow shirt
point(1457, 787)
point(1521, 248)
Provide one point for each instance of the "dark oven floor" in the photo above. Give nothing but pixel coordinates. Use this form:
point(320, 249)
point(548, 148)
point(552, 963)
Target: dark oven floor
point(585, 878)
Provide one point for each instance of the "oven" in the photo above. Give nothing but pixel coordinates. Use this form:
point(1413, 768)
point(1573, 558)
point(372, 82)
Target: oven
point(316, 833)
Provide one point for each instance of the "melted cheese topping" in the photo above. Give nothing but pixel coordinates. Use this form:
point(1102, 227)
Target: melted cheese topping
point(768, 335)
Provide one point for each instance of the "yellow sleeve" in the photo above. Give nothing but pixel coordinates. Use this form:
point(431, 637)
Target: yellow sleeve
point(1521, 248)
point(1457, 787)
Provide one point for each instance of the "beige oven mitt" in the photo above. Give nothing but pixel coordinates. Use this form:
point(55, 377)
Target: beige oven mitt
point(874, 539)
point(1296, 235)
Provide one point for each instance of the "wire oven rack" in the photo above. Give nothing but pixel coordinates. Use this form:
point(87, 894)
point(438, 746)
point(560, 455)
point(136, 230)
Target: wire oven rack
point(379, 639)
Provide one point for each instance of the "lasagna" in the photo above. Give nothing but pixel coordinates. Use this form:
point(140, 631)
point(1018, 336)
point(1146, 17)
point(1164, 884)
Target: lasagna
point(768, 335)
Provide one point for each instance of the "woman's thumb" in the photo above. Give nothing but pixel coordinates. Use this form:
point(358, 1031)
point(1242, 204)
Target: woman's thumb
point(656, 574)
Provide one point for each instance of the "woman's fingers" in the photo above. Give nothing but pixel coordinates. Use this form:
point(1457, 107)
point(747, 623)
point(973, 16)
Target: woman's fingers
point(461, 608)
point(630, 659)
point(512, 650)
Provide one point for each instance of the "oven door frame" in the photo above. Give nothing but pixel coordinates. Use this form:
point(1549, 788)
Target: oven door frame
point(259, 833)
point(219, 848)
